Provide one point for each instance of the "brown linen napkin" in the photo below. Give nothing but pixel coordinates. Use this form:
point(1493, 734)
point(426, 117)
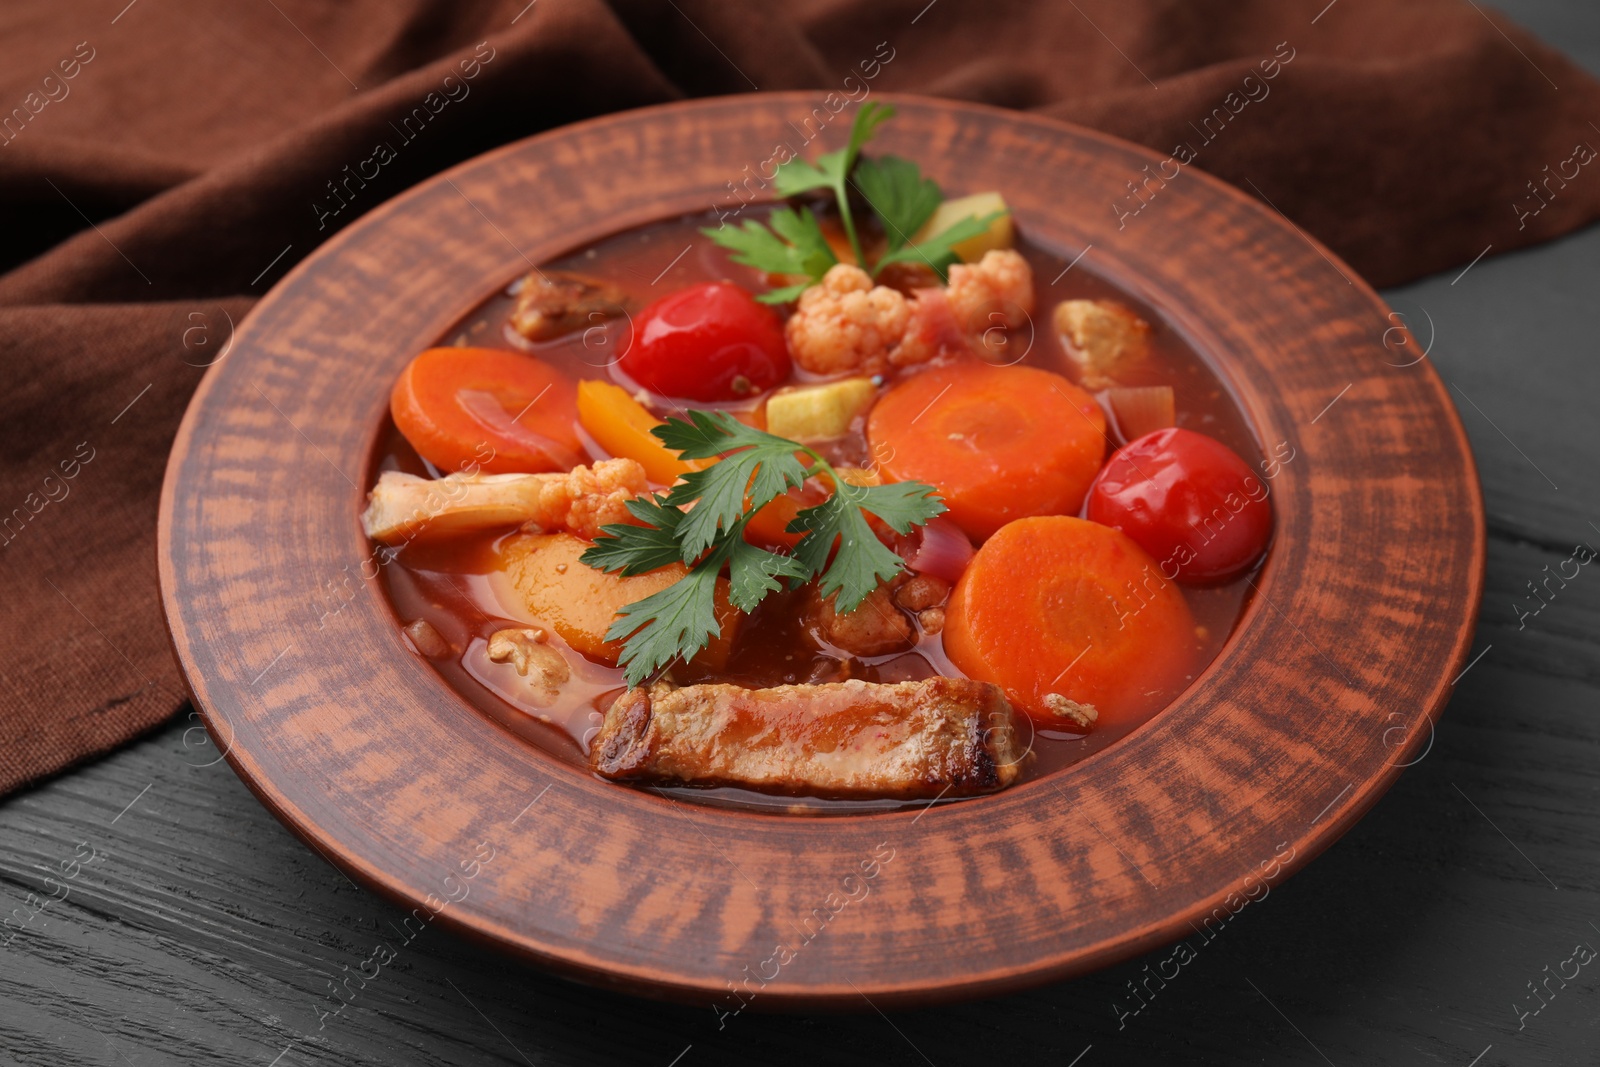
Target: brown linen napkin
point(163, 162)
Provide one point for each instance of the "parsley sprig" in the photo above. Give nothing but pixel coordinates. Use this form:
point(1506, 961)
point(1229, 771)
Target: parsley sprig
point(701, 522)
point(832, 170)
point(792, 242)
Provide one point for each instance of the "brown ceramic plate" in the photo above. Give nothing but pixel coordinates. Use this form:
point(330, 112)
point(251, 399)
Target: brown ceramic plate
point(1329, 687)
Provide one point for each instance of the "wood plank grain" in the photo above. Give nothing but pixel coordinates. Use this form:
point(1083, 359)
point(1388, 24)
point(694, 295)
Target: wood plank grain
point(1405, 943)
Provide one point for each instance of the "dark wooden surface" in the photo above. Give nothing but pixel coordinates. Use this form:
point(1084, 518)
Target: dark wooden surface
point(203, 932)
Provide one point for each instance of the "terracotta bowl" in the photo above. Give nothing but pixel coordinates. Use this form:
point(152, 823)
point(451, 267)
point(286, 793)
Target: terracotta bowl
point(1329, 687)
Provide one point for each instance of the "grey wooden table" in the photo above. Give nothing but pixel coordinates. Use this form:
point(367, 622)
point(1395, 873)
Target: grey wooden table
point(196, 929)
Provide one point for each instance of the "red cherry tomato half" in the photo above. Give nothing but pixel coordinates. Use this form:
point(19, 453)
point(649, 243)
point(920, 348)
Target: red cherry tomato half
point(711, 341)
point(1189, 501)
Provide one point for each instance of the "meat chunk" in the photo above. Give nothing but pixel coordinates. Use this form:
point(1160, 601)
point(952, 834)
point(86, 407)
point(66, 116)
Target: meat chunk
point(1071, 712)
point(874, 628)
point(528, 652)
point(402, 507)
point(551, 303)
point(1103, 338)
point(938, 736)
point(921, 592)
point(845, 324)
point(925, 595)
point(931, 330)
point(907, 276)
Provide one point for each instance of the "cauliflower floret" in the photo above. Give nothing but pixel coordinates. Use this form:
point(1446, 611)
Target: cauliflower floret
point(1000, 284)
point(585, 499)
point(845, 323)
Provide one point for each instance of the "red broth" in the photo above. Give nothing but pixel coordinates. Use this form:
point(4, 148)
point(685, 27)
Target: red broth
point(451, 585)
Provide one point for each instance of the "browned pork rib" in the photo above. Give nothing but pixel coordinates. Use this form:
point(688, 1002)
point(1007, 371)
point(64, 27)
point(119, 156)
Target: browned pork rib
point(938, 736)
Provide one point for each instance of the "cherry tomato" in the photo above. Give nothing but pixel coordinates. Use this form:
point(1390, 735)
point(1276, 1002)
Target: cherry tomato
point(711, 341)
point(1189, 501)
point(485, 408)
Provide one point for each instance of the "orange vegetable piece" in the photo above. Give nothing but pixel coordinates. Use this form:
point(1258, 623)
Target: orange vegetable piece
point(998, 443)
point(1060, 605)
point(769, 526)
point(621, 425)
point(489, 409)
point(541, 580)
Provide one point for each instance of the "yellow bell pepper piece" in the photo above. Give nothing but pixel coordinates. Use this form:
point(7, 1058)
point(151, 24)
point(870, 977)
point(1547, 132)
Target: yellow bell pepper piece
point(1000, 234)
point(621, 425)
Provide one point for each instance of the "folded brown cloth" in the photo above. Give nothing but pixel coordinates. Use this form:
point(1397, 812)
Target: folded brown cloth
point(164, 162)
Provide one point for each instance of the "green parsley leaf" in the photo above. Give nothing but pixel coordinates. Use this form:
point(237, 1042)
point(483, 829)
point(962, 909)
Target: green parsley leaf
point(679, 620)
point(895, 189)
point(799, 176)
point(757, 468)
point(898, 194)
point(794, 244)
point(899, 505)
point(628, 549)
point(701, 435)
point(862, 561)
point(754, 572)
point(839, 546)
point(939, 251)
point(814, 254)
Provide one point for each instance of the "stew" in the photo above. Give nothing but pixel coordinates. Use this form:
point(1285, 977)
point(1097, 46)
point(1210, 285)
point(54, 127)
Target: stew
point(889, 536)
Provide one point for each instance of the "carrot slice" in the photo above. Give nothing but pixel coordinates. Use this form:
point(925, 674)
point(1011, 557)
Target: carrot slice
point(999, 443)
point(485, 408)
point(769, 526)
point(1059, 605)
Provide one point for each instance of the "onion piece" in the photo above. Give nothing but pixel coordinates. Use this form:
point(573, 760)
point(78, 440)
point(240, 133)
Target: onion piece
point(1139, 410)
point(942, 550)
